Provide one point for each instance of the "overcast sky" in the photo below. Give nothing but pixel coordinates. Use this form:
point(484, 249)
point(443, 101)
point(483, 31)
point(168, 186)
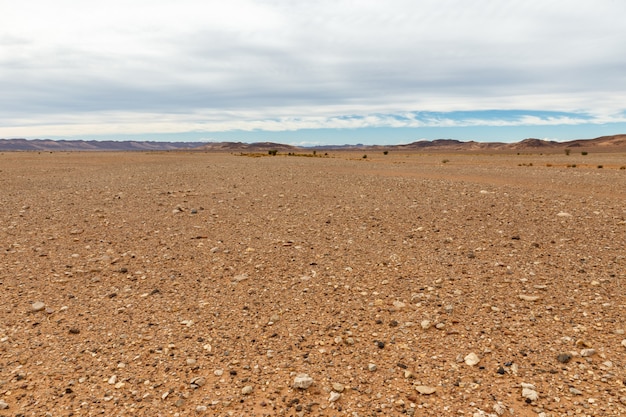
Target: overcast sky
point(335, 71)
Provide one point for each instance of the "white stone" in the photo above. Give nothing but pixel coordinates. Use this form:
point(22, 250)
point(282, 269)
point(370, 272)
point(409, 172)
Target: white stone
point(334, 396)
point(302, 381)
point(425, 324)
point(247, 390)
point(528, 297)
point(112, 380)
point(471, 359)
point(38, 306)
point(425, 390)
point(531, 394)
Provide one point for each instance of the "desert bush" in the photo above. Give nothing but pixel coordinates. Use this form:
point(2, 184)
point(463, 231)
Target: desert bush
point(445, 161)
point(272, 152)
point(600, 166)
point(364, 156)
point(584, 153)
point(385, 152)
point(568, 151)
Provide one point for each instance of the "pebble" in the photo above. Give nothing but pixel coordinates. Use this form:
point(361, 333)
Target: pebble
point(587, 352)
point(528, 392)
point(372, 367)
point(425, 324)
point(3, 405)
point(338, 387)
point(197, 382)
point(425, 390)
point(624, 342)
point(201, 408)
point(471, 359)
point(112, 380)
point(499, 408)
point(218, 372)
point(302, 381)
point(564, 357)
point(528, 297)
point(247, 390)
point(575, 391)
point(334, 396)
point(38, 306)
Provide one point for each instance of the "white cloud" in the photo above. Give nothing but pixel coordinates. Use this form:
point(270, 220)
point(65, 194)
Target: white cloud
point(70, 67)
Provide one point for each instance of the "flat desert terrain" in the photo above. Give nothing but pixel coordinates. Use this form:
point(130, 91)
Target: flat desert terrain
point(182, 284)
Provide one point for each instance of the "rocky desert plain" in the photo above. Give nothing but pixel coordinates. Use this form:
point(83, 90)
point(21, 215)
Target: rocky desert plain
point(227, 284)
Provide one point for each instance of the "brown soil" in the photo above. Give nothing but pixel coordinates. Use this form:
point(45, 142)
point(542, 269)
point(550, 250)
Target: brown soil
point(157, 269)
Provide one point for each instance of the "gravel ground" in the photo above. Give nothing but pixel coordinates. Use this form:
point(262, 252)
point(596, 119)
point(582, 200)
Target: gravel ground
point(175, 284)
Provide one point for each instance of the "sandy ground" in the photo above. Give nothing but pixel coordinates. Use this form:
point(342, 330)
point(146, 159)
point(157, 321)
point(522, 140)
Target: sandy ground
point(176, 284)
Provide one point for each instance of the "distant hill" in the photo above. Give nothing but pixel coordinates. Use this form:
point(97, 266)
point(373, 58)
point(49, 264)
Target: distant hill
point(615, 143)
point(91, 145)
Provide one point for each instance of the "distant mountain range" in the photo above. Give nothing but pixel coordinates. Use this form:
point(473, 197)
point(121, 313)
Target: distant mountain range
point(604, 143)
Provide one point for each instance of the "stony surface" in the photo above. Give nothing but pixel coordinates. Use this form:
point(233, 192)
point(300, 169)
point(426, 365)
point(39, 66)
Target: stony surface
point(173, 284)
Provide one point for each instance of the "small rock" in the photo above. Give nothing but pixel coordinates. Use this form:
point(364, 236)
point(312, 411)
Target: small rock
point(302, 381)
point(38, 306)
point(247, 390)
point(201, 408)
point(372, 367)
point(218, 372)
point(399, 304)
point(74, 330)
point(425, 324)
point(440, 326)
point(197, 382)
point(112, 380)
point(471, 359)
point(499, 408)
point(564, 214)
point(338, 387)
point(624, 342)
point(528, 297)
point(334, 396)
point(3, 405)
point(575, 391)
point(564, 357)
point(587, 352)
point(425, 390)
point(529, 393)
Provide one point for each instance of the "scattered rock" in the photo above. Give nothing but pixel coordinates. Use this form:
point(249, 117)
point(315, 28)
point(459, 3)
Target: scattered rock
point(587, 352)
point(371, 367)
point(247, 390)
point(197, 382)
point(528, 297)
point(302, 381)
point(338, 387)
point(3, 405)
point(471, 359)
point(334, 396)
point(575, 391)
point(564, 357)
point(425, 324)
point(38, 306)
point(529, 393)
point(425, 390)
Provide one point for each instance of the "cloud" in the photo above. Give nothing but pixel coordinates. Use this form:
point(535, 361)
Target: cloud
point(161, 66)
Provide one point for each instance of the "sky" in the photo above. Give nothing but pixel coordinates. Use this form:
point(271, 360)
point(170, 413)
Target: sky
point(312, 72)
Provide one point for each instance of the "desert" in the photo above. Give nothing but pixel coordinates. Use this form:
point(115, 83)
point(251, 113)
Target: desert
point(336, 284)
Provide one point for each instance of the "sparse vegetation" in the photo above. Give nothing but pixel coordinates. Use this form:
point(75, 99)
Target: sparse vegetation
point(571, 165)
point(622, 167)
point(445, 161)
point(600, 166)
point(385, 152)
point(568, 151)
point(548, 165)
point(584, 153)
point(364, 156)
point(272, 152)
